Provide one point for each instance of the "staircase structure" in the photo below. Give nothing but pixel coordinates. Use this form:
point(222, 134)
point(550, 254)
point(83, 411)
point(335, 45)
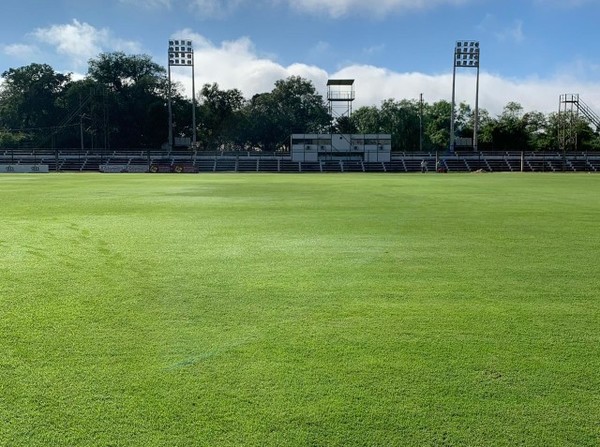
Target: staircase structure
point(571, 107)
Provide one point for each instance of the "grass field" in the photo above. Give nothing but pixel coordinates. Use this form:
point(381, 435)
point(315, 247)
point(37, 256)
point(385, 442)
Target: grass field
point(300, 310)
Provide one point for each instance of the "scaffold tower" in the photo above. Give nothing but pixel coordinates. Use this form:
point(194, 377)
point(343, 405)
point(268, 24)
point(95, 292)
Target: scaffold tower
point(340, 94)
point(570, 107)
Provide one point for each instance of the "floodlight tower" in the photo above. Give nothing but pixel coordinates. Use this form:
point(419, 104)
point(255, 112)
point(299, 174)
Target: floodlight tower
point(181, 54)
point(466, 55)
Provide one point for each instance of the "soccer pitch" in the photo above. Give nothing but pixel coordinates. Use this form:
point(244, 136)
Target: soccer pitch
point(300, 310)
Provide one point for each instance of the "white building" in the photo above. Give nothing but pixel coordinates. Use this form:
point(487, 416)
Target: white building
point(320, 147)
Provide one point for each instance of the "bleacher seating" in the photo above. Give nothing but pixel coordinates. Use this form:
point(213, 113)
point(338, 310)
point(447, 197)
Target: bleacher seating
point(352, 166)
point(456, 165)
point(287, 166)
point(580, 165)
point(374, 166)
point(139, 160)
point(331, 166)
point(269, 165)
point(309, 166)
point(497, 165)
point(412, 165)
point(538, 165)
point(477, 164)
point(205, 165)
point(395, 166)
point(225, 165)
point(247, 165)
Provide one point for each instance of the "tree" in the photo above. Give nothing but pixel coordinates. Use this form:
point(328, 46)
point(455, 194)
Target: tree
point(29, 98)
point(220, 116)
point(344, 125)
point(263, 125)
point(401, 120)
point(536, 130)
point(11, 139)
point(367, 120)
point(486, 127)
point(510, 131)
point(293, 106)
point(398, 118)
point(136, 98)
point(117, 71)
point(437, 125)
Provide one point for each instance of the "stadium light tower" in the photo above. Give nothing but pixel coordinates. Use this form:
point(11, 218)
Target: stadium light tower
point(466, 55)
point(181, 54)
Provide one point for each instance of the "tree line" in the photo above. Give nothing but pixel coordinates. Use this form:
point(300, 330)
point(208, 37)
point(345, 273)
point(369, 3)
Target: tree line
point(122, 103)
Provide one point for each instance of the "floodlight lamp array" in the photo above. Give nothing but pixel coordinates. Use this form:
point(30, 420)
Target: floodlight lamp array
point(181, 53)
point(466, 54)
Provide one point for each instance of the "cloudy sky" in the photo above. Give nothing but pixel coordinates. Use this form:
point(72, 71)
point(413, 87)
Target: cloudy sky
point(531, 50)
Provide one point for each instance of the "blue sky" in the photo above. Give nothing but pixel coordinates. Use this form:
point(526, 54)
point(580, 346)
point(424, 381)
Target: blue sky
point(531, 50)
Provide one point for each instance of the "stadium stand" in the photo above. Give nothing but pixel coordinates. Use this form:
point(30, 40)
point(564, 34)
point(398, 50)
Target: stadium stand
point(268, 165)
point(374, 166)
point(456, 165)
point(288, 166)
point(352, 166)
point(225, 165)
point(247, 165)
point(331, 166)
point(395, 166)
point(310, 166)
point(186, 161)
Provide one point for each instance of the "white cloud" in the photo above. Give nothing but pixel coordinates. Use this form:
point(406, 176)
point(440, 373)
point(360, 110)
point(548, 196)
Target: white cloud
point(340, 8)
point(21, 51)
point(236, 64)
point(333, 8)
point(81, 41)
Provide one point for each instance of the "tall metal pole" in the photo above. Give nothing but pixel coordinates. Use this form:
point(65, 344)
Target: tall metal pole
point(193, 105)
point(170, 144)
point(453, 102)
point(476, 123)
point(421, 122)
point(80, 125)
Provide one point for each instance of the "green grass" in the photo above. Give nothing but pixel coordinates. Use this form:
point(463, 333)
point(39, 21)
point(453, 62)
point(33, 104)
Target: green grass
point(301, 310)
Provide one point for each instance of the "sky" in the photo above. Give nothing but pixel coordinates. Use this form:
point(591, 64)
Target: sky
point(531, 50)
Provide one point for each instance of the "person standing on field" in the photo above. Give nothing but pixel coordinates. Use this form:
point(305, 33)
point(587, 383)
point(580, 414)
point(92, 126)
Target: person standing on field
point(423, 166)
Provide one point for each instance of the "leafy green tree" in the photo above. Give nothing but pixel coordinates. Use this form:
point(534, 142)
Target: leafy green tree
point(536, 130)
point(367, 120)
point(303, 109)
point(293, 106)
point(437, 125)
point(220, 116)
point(30, 98)
point(486, 127)
point(118, 71)
point(344, 125)
point(398, 118)
point(264, 127)
point(136, 98)
point(401, 120)
point(510, 131)
point(11, 138)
